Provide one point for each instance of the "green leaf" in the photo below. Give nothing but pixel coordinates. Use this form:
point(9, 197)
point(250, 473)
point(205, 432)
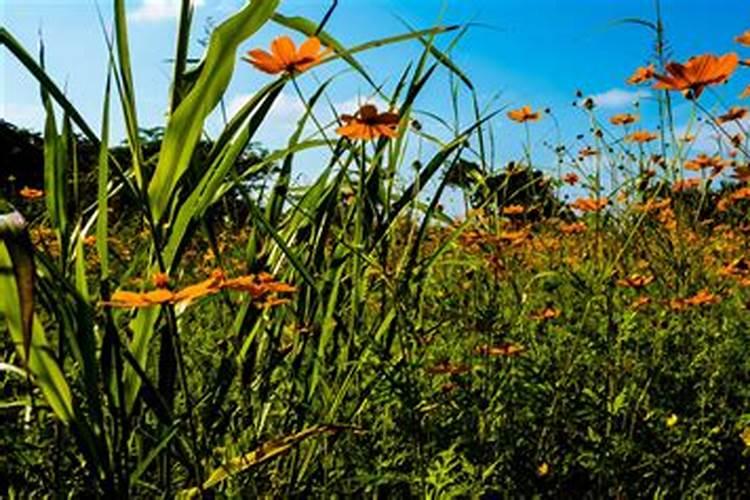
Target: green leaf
point(186, 123)
point(47, 373)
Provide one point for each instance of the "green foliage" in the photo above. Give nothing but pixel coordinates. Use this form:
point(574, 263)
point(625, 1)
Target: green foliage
point(420, 354)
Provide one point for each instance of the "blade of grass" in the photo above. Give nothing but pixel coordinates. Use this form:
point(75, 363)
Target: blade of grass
point(185, 124)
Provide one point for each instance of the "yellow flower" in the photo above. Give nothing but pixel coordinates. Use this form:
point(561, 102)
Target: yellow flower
point(745, 436)
point(543, 469)
point(672, 420)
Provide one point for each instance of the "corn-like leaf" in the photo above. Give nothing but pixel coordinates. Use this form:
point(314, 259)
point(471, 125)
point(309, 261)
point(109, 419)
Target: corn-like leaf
point(45, 370)
point(186, 123)
point(14, 233)
point(103, 180)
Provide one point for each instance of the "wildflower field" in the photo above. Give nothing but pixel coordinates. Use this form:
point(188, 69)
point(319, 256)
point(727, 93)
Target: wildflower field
point(426, 315)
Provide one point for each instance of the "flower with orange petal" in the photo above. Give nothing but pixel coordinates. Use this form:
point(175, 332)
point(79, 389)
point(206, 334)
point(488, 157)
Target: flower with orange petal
point(653, 205)
point(514, 237)
point(285, 57)
point(161, 280)
point(207, 287)
point(741, 173)
point(524, 114)
point(635, 281)
point(640, 302)
point(687, 138)
point(703, 161)
point(506, 349)
point(685, 185)
point(262, 287)
point(642, 75)
point(697, 73)
point(368, 124)
point(127, 299)
point(641, 137)
point(514, 210)
point(573, 228)
point(570, 178)
point(445, 367)
point(588, 151)
point(589, 204)
point(703, 297)
point(545, 314)
point(744, 39)
point(28, 193)
point(733, 114)
point(623, 119)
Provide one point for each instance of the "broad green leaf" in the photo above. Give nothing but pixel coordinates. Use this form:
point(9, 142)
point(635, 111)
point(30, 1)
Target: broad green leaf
point(185, 125)
point(45, 370)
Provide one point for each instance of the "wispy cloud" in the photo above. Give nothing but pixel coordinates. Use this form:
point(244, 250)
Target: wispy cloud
point(158, 10)
point(281, 119)
point(619, 98)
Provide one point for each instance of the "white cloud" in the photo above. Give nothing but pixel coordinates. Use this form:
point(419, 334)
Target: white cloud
point(159, 10)
point(706, 138)
point(350, 106)
point(281, 120)
point(618, 98)
point(285, 110)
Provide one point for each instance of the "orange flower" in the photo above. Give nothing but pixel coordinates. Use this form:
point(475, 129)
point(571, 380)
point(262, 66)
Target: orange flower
point(685, 185)
point(514, 210)
point(446, 367)
point(588, 151)
point(123, 298)
point(28, 193)
point(368, 124)
point(640, 302)
point(500, 350)
point(635, 281)
point(739, 268)
point(261, 287)
point(545, 314)
point(642, 75)
point(703, 297)
point(653, 204)
point(745, 93)
point(744, 39)
point(741, 173)
point(734, 113)
point(202, 289)
point(641, 136)
point(524, 114)
point(285, 57)
point(514, 237)
point(161, 280)
point(687, 138)
point(573, 228)
point(623, 119)
point(702, 161)
point(570, 178)
point(590, 204)
point(697, 73)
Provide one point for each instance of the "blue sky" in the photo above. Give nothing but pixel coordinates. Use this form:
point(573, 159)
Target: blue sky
point(536, 52)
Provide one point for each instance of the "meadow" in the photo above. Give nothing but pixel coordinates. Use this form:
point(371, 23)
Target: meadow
point(180, 318)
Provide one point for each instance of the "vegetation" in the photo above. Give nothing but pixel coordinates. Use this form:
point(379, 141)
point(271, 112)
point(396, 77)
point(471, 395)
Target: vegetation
point(203, 326)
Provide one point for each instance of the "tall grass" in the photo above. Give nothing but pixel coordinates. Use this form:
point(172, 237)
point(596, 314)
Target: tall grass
point(377, 377)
